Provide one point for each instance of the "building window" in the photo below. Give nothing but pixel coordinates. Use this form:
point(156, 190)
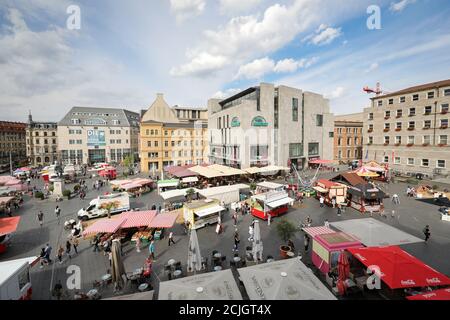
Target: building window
point(387, 126)
point(386, 159)
point(443, 140)
point(295, 150)
point(426, 139)
point(75, 121)
point(166, 154)
point(339, 141)
point(440, 164)
point(399, 113)
point(313, 148)
point(447, 92)
point(149, 144)
point(411, 139)
point(427, 110)
point(430, 95)
point(425, 162)
point(387, 114)
point(331, 134)
point(380, 103)
point(371, 127)
point(371, 116)
point(386, 140)
point(410, 161)
point(398, 125)
point(412, 112)
point(349, 141)
point(444, 123)
point(444, 108)
point(348, 153)
point(398, 140)
point(356, 141)
point(340, 154)
point(411, 125)
point(166, 132)
point(397, 160)
point(166, 143)
point(319, 120)
point(370, 140)
point(294, 109)
point(402, 99)
point(415, 97)
point(427, 124)
point(391, 101)
point(259, 122)
point(172, 143)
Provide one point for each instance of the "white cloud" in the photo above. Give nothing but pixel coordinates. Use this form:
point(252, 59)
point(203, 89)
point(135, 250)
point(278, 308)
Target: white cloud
point(372, 67)
point(401, 5)
point(237, 6)
point(185, 9)
point(336, 93)
point(227, 93)
point(260, 67)
point(203, 64)
point(325, 35)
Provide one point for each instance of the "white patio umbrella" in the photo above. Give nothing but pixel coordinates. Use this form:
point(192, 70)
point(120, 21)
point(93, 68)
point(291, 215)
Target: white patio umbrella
point(194, 261)
point(257, 245)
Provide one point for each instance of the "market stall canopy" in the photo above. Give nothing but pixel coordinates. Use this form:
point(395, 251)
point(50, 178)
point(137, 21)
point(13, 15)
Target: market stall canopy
point(8, 225)
point(363, 172)
point(136, 219)
point(185, 173)
point(164, 220)
point(320, 189)
point(12, 182)
point(168, 183)
point(189, 180)
point(226, 171)
point(208, 211)
point(398, 269)
point(176, 193)
point(440, 294)
point(5, 200)
point(218, 285)
point(104, 226)
point(270, 185)
point(206, 172)
point(130, 186)
point(119, 183)
point(267, 169)
point(375, 169)
point(367, 191)
point(142, 181)
point(320, 161)
point(374, 233)
point(316, 231)
point(287, 279)
point(280, 202)
point(213, 191)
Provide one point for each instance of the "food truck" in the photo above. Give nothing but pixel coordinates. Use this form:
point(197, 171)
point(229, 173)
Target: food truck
point(96, 206)
point(330, 190)
point(200, 213)
point(366, 198)
point(274, 203)
point(15, 283)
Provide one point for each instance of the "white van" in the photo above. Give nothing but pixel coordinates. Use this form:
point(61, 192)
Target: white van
point(95, 210)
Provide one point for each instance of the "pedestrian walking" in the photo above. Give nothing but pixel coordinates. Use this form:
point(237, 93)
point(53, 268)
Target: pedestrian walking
point(48, 252)
point(306, 242)
point(171, 238)
point(60, 253)
point(68, 249)
point(250, 232)
point(40, 218)
point(8, 211)
point(339, 210)
point(321, 201)
point(236, 242)
point(235, 217)
point(395, 199)
point(333, 202)
point(151, 249)
point(58, 213)
point(95, 243)
point(269, 218)
point(138, 244)
point(427, 233)
point(75, 244)
point(42, 259)
point(326, 223)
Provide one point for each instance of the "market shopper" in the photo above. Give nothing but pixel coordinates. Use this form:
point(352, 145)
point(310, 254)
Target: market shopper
point(138, 244)
point(171, 238)
point(75, 244)
point(321, 200)
point(95, 242)
point(151, 249)
point(40, 218)
point(60, 253)
point(306, 242)
point(236, 242)
point(427, 233)
point(269, 218)
point(48, 252)
point(58, 214)
point(68, 249)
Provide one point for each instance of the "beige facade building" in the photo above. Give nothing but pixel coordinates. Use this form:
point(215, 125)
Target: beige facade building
point(268, 125)
point(172, 136)
point(408, 129)
point(42, 142)
point(12, 145)
point(348, 137)
point(89, 135)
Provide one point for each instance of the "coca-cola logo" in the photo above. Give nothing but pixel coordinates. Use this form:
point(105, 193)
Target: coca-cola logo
point(433, 280)
point(407, 282)
point(429, 295)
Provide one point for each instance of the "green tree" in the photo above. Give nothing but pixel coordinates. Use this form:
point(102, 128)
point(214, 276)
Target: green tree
point(286, 229)
point(189, 193)
point(128, 162)
point(109, 206)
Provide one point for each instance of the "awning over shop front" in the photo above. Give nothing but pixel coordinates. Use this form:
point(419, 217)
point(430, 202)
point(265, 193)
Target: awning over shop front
point(8, 225)
point(320, 189)
point(398, 269)
point(280, 202)
point(317, 231)
point(136, 219)
point(104, 226)
point(164, 220)
point(189, 179)
point(208, 211)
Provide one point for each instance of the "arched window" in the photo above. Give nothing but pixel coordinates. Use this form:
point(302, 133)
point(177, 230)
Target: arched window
point(235, 122)
point(38, 159)
point(47, 159)
point(259, 122)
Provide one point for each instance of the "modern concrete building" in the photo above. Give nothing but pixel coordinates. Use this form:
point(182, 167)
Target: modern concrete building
point(268, 125)
point(42, 143)
point(89, 135)
point(408, 129)
point(172, 136)
point(348, 137)
point(12, 144)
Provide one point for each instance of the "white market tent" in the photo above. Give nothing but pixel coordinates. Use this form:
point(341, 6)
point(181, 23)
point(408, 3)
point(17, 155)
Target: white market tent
point(268, 169)
point(175, 193)
point(227, 171)
point(208, 211)
point(270, 185)
point(374, 233)
point(206, 172)
point(189, 179)
point(287, 279)
point(225, 194)
point(218, 285)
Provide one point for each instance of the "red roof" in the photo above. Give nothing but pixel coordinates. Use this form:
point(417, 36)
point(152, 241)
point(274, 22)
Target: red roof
point(441, 294)
point(327, 183)
point(164, 220)
point(136, 219)
point(8, 225)
point(398, 269)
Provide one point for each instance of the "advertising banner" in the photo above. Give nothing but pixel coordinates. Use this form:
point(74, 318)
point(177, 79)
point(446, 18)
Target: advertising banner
point(96, 138)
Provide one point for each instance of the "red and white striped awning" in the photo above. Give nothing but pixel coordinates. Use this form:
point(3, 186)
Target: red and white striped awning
point(164, 220)
point(136, 219)
point(105, 226)
point(317, 231)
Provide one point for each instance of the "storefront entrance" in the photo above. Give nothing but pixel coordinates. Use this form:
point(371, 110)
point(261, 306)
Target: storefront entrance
point(96, 155)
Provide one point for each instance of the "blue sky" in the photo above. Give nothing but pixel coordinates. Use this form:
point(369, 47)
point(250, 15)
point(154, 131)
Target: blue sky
point(191, 50)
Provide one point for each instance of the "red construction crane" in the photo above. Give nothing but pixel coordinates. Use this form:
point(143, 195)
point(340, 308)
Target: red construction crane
point(377, 90)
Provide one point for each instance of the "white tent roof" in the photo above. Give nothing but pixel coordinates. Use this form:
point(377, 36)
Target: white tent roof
point(267, 169)
point(269, 185)
point(208, 211)
point(280, 202)
point(219, 285)
point(374, 233)
point(209, 192)
point(286, 279)
point(175, 193)
point(189, 179)
point(8, 268)
point(206, 172)
point(228, 171)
